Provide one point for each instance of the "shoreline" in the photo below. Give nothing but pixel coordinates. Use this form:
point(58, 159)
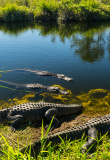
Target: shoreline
point(51, 10)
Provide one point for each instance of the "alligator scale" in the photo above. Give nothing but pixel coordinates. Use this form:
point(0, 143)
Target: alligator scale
point(53, 89)
point(37, 111)
point(45, 73)
point(90, 128)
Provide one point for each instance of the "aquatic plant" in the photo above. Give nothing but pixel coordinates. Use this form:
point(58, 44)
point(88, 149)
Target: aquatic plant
point(59, 97)
point(96, 101)
point(2, 72)
point(16, 100)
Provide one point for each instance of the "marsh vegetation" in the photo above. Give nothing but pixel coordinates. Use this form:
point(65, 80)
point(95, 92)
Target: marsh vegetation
point(64, 10)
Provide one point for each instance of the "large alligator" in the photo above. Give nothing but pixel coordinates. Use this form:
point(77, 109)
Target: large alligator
point(37, 111)
point(90, 128)
point(37, 86)
point(45, 73)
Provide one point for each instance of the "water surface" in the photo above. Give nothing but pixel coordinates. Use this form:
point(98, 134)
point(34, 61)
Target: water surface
point(80, 51)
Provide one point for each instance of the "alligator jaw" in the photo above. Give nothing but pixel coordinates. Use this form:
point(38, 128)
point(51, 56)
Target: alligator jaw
point(62, 76)
point(68, 79)
point(57, 90)
point(63, 92)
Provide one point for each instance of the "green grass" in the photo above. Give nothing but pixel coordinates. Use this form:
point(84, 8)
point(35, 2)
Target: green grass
point(44, 10)
point(65, 150)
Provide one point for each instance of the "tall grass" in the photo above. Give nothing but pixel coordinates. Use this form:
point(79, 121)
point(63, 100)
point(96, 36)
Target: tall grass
point(64, 150)
point(10, 153)
point(23, 10)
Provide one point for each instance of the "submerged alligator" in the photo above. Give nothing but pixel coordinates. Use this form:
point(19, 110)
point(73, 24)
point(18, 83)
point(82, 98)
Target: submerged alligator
point(45, 73)
point(37, 111)
point(37, 86)
point(90, 128)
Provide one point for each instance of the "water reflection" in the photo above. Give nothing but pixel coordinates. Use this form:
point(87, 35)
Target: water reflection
point(89, 48)
point(88, 41)
point(15, 28)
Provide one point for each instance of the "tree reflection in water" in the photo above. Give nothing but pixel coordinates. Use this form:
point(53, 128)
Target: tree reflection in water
point(89, 41)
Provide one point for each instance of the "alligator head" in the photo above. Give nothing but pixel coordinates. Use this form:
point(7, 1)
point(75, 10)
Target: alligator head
point(62, 76)
point(63, 92)
point(57, 90)
point(3, 116)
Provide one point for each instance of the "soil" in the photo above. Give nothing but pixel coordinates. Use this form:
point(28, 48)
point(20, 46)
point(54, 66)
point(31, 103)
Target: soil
point(64, 123)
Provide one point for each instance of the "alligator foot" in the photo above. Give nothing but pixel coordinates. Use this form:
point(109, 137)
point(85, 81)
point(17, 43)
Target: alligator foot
point(49, 114)
point(13, 129)
point(17, 119)
point(92, 135)
point(53, 126)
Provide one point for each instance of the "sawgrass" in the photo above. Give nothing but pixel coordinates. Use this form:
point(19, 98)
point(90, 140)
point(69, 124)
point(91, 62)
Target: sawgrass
point(44, 10)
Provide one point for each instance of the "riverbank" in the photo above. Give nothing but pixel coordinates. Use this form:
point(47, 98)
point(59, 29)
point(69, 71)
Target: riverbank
point(66, 149)
point(54, 10)
point(95, 103)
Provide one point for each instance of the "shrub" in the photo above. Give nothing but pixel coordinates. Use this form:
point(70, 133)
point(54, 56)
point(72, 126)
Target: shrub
point(12, 12)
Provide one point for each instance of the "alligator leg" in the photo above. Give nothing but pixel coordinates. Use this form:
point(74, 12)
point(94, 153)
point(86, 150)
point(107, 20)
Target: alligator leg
point(92, 135)
point(49, 115)
point(17, 119)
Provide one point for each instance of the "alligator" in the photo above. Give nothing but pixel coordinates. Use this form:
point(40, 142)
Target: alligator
point(37, 86)
point(37, 111)
point(90, 129)
point(45, 73)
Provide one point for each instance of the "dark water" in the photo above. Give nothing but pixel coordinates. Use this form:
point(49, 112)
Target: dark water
point(80, 51)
